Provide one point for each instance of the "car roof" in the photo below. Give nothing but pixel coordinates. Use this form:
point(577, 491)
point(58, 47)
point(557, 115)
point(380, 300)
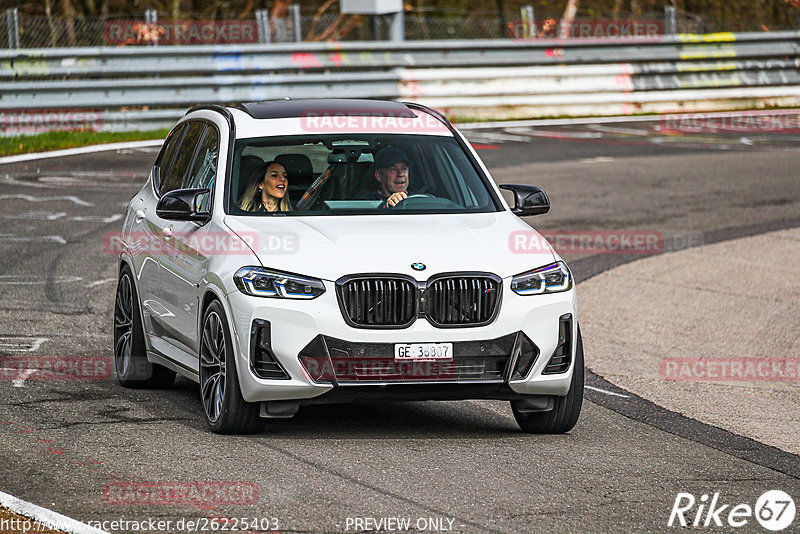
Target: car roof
point(333, 116)
point(284, 109)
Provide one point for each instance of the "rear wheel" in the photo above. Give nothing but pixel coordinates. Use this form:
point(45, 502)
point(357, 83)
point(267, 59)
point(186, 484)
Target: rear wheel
point(225, 409)
point(130, 356)
point(565, 410)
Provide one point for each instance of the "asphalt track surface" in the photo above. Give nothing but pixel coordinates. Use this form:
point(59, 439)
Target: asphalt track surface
point(463, 464)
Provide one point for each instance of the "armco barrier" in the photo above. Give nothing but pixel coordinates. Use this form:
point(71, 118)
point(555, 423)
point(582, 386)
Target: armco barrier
point(128, 88)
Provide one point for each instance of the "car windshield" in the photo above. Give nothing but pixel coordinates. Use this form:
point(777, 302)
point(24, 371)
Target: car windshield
point(348, 174)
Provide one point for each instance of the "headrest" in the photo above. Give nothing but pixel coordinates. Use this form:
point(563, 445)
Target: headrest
point(298, 168)
point(247, 167)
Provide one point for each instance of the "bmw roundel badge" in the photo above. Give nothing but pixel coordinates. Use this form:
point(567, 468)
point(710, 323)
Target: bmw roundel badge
point(418, 266)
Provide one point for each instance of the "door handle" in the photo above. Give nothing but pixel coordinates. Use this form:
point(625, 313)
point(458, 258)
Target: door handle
point(167, 232)
point(139, 215)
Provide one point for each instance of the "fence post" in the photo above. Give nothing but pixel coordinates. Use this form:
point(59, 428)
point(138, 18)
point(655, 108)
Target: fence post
point(151, 19)
point(262, 19)
point(12, 22)
point(670, 21)
point(397, 27)
point(294, 11)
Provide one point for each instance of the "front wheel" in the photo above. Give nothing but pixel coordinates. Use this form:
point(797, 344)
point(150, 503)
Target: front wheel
point(565, 410)
point(225, 409)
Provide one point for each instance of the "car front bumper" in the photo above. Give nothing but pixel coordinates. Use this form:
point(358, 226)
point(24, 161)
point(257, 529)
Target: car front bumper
point(295, 324)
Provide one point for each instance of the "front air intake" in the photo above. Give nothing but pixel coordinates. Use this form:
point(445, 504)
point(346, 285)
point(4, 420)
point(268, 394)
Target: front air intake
point(562, 357)
point(262, 360)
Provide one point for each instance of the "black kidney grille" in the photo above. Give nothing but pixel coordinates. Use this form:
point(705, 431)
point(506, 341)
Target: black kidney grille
point(379, 301)
point(463, 300)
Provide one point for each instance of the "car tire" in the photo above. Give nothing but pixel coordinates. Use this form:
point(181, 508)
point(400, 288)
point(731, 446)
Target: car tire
point(225, 409)
point(130, 356)
point(566, 409)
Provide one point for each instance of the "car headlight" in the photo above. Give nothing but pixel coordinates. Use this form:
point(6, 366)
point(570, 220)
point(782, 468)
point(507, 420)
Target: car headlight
point(261, 282)
point(552, 278)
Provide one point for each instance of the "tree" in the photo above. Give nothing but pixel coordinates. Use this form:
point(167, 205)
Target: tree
point(568, 18)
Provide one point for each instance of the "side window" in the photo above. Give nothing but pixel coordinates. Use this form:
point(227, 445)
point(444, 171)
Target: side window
point(168, 155)
point(204, 170)
point(174, 177)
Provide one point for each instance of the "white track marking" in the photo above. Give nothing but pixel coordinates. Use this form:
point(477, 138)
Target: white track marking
point(607, 392)
point(52, 519)
point(598, 159)
point(24, 280)
point(81, 150)
point(30, 198)
point(617, 130)
point(558, 134)
point(34, 239)
point(97, 218)
point(100, 282)
point(21, 344)
point(497, 136)
point(20, 382)
point(39, 215)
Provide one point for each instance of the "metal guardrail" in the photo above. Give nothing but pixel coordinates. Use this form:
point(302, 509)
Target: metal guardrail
point(469, 79)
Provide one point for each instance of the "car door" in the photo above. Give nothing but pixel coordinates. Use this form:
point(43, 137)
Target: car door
point(143, 235)
point(190, 244)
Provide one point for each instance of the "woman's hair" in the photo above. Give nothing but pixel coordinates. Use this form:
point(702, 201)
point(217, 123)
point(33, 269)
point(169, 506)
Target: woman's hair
point(252, 194)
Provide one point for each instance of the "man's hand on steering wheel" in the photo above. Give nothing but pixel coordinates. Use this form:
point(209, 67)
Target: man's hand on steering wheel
point(395, 199)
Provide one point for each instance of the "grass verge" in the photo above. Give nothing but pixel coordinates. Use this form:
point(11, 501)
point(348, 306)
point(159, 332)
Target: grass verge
point(22, 144)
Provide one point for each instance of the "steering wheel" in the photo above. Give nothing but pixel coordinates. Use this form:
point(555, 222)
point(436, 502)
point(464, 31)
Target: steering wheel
point(402, 203)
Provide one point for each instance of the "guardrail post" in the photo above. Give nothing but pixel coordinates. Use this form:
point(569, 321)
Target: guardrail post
point(12, 23)
point(262, 19)
point(151, 20)
point(294, 11)
point(670, 21)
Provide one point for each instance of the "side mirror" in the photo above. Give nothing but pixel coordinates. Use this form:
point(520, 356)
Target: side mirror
point(528, 199)
point(183, 205)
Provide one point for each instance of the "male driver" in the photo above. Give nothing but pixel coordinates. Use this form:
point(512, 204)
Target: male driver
point(391, 172)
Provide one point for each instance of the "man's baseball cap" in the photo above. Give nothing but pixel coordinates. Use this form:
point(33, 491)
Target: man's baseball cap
point(388, 156)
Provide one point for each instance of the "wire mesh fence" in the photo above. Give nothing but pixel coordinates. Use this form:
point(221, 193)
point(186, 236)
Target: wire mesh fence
point(23, 30)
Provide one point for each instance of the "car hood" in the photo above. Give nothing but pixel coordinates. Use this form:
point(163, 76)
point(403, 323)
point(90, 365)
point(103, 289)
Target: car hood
point(330, 247)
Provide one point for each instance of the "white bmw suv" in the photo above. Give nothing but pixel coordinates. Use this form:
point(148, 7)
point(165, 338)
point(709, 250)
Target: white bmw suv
point(296, 252)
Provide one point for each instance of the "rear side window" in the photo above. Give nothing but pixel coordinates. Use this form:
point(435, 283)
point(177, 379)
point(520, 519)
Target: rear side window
point(168, 155)
point(204, 170)
point(174, 178)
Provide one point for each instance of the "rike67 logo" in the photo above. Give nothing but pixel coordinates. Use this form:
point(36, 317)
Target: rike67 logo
point(774, 510)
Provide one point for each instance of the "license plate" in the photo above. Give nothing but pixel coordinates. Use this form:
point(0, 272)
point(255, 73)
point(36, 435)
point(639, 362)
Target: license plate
point(423, 351)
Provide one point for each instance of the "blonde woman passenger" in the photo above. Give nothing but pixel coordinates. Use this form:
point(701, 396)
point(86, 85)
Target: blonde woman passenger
point(266, 192)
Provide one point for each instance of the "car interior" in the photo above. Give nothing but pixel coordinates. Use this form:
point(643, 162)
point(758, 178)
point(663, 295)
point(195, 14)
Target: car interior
point(338, 175)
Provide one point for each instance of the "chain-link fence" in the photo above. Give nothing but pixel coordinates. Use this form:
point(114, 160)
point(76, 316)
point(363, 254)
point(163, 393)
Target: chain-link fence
point(21, 30)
